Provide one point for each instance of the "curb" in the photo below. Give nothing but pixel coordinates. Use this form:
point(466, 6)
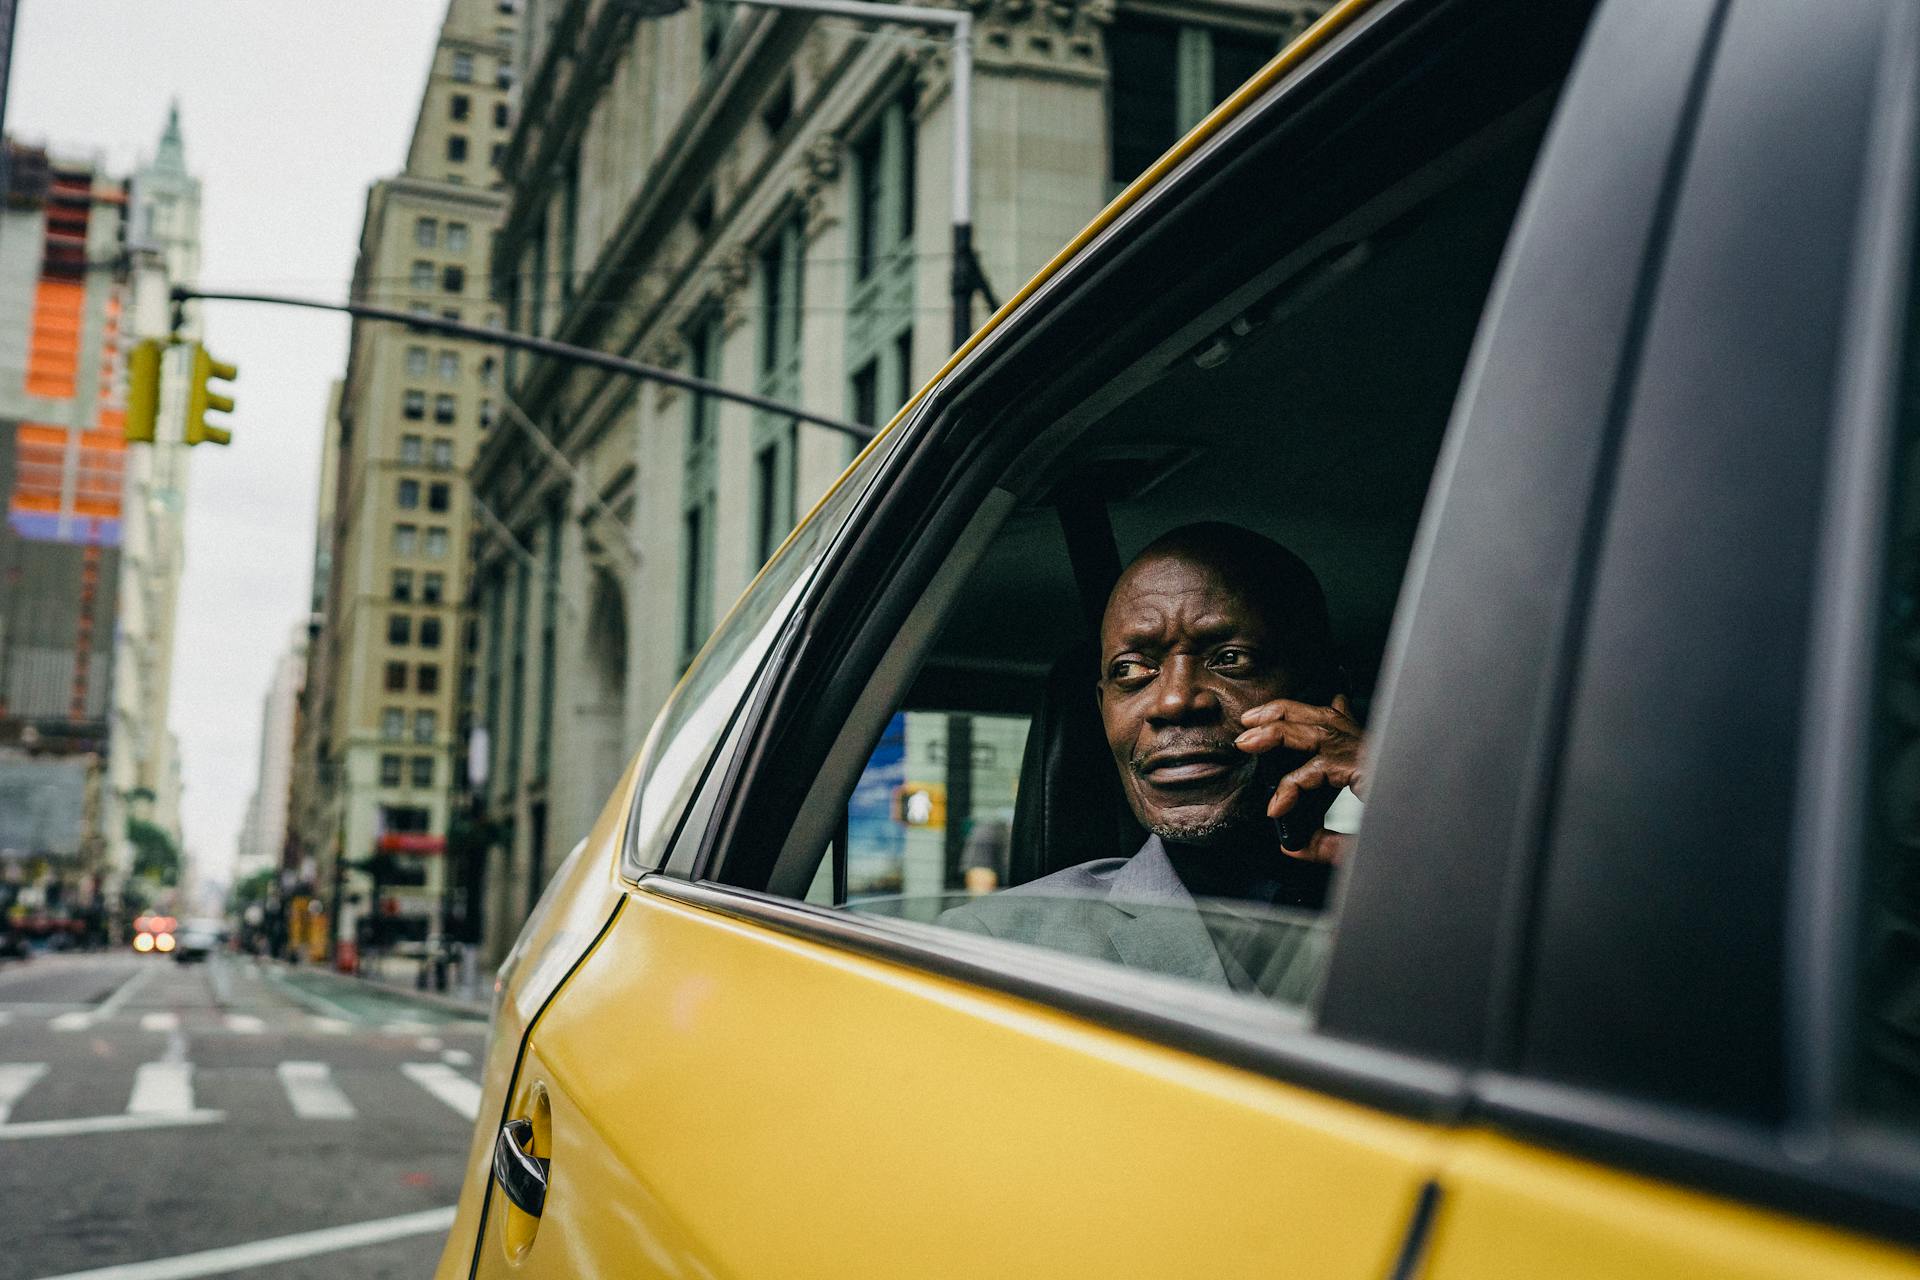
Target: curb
point(431, 999)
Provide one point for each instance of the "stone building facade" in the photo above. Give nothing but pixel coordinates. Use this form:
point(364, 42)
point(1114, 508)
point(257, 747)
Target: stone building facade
point(760, 198)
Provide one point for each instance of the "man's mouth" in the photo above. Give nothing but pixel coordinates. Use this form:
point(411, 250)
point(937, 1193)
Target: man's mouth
point(1190, 766)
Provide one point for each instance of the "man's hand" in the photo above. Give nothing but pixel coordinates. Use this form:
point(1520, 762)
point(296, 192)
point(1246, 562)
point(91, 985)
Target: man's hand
point(1338, 746)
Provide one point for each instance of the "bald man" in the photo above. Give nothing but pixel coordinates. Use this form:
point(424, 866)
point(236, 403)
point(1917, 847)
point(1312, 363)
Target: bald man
point(1215, 649)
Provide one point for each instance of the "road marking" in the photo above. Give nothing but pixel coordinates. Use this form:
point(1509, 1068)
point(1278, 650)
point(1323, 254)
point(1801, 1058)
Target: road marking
point(15, 1079)
point(72, 1022)
point(405, 1028)
point(245, 1024)
point(263, 1253)
point(162, 1089)
point(330, 1026)
point(446, 1084)
point(428, 1044)
point(311, 1090)
point(80, 1021)
point(5, 1018)
point(456, 1057)
point(106, 1124)
point(159, 1021)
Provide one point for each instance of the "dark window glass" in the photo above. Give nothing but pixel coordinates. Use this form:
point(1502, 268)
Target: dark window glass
point(438, 496)
point(867, 196)
point(766, 481)
point(443, 409)
point(427, 678)
point(909, 159)
point(1236, 56)
point(1143, 58)
point(421, 769)
point(413, 405)
point(409, 495)
point(773, 269)
point(399, 628)
point(458, 106)
point(779, 108)
point(429, 633)
point(500, 116)
point(866, 394)
point(432, 587)
point(396, 681)
point(453, 279)
point(693, 628)
point(389, 771)
point(403, 584)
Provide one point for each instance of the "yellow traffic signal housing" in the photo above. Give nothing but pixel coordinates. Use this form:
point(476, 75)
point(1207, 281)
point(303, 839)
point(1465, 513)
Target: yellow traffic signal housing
point(202, 399)
point(143, 390)
point(920, 804)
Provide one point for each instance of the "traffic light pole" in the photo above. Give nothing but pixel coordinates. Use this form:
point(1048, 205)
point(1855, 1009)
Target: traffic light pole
point(540, 346)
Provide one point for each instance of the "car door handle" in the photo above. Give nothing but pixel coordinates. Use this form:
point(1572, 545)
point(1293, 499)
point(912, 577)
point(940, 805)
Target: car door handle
point(520, 1173)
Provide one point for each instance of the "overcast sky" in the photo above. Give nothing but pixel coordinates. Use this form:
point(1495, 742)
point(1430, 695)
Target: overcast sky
point(289, 111)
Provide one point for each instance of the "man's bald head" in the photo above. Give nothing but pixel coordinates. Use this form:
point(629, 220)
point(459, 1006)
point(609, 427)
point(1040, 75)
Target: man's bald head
point(1207, 622)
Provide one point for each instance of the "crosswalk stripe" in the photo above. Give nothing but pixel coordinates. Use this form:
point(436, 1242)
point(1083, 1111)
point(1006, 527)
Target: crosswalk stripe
point(311, 1090)
point(159, 1021)
point(162, 1088)
point(15, 1079)
point(245, 1024)
point(76, 1021)
point(456, 1057)
point(106, 1124)
point(256, 1256)
point(330, 1026)
point(405, 1028)
point(446, 1084)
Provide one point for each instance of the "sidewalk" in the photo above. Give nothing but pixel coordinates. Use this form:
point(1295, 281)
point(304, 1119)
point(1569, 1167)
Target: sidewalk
point(394, 976)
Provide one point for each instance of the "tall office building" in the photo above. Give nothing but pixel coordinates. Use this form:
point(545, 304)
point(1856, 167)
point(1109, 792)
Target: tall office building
point(389, 650)
point(263, 834)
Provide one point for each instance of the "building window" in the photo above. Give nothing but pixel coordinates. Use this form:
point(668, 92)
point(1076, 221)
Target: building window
point(442, 454)
point(393, 724)
point(420, 308)
point(409, 495)
point(866, 393)
point(403, 585)
point(463, 67)
point(410, 450)
point(486, 414)
point(500, 116)
point(405, 820)
point(438, 496)
point(403, 539)
point(489, 370)
point(449, 366)
point(496, 153)
point(715, 16)
point(869, 176)
point(427, 678)
point(775, 440)
point(399, 629)
point(443, 408)
point(450, 313)
point(416, 362)
point(396, 677)
point(390, 771)
point(422, 277)
point(426, 232)
point(413, 405)
point(429, 633)
point(425, 725)
point(456, 237)
point(1164, 77)
point(453, 279)
point(458, 106)
point(421, 771)
point(503, 76)
point(433, 587)
point(436, 544)
point(693, 611)
point(456, 148)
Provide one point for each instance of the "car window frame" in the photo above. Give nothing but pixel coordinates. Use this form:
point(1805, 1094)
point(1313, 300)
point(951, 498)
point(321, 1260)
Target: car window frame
point(1401, 1077)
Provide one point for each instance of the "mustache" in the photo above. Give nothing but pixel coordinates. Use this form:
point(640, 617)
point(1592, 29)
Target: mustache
point(1211, 743)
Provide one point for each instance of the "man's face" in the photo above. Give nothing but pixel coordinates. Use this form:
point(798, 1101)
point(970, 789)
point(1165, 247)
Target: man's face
point(1183, 654)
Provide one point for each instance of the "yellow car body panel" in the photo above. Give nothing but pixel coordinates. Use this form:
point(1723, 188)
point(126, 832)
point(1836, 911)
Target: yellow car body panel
point(726, 1100)
point(577, 903)
point(1514, 1210)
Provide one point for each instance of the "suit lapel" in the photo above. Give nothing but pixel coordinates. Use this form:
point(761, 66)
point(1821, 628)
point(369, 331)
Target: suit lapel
point(1161, 930)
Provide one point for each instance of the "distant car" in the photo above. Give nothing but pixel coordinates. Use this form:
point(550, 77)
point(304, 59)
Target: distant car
point(154, 935)
point(198, 939)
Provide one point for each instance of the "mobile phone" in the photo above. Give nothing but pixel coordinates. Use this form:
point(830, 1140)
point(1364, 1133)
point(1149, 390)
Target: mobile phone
point(1296, 826)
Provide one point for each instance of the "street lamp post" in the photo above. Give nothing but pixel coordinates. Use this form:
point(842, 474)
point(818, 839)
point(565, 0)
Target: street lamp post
point(966, 277)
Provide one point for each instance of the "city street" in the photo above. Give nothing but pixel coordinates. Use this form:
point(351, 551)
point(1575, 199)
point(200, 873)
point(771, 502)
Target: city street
point(262, 1116)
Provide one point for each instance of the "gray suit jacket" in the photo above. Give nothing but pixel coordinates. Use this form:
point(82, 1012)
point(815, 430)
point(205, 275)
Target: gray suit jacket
point(1136, 912)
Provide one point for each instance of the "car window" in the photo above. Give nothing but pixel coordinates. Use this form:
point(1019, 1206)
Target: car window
point(1050, 753)
point(695, 718)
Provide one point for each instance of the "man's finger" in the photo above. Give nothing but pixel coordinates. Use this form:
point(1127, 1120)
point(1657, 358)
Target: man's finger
point(1288, 709)
point(1308, 777)
point(1284, 733)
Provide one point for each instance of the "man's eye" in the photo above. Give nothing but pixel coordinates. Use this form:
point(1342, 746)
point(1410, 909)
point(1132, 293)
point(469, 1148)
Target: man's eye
point(1233, 659)
point(1127, 671)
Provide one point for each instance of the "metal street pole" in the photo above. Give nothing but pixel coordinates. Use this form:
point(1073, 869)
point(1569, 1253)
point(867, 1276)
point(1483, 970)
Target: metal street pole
point(543, 346)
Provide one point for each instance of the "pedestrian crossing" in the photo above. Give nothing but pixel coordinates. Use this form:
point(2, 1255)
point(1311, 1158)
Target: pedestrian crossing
point(161, 1022)
point(168, 1092)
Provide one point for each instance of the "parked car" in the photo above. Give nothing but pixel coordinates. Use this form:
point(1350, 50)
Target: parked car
point(1569, 344)
point(199, 939)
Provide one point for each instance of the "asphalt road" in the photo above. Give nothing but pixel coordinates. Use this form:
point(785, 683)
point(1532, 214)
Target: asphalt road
point(150, 1111)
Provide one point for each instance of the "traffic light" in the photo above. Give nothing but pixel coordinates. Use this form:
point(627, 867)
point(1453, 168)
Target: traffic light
point(143, 390)
point(202, 399)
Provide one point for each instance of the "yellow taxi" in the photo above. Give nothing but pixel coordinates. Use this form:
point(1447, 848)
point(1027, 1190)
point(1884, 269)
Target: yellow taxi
point(1568, 345)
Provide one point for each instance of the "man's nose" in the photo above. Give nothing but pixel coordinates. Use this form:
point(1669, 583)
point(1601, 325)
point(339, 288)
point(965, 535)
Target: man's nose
point(1182, 692)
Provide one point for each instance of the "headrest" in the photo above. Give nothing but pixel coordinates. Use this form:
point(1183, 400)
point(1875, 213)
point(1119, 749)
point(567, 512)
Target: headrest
point(1070, 808)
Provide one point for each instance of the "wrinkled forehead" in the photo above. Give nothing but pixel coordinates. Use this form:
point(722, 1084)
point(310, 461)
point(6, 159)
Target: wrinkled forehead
point(1174, 592)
